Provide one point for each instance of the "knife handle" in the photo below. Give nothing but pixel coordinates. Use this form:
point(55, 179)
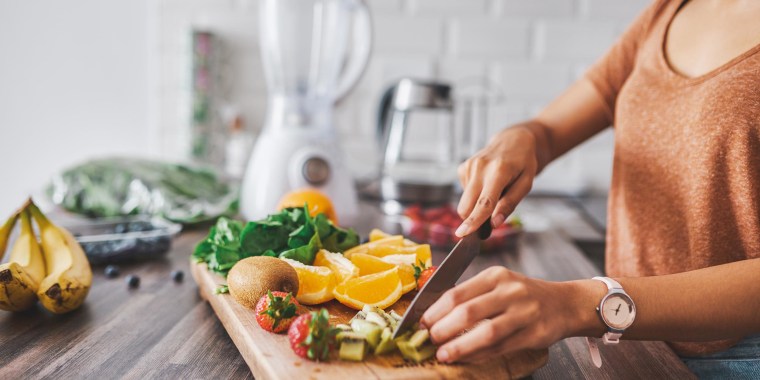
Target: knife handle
point(484, 232)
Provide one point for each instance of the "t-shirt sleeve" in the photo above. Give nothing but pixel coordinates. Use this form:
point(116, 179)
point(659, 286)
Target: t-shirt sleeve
point(611, 71)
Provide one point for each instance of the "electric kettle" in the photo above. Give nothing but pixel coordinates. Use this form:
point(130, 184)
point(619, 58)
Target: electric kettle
point(416, 130)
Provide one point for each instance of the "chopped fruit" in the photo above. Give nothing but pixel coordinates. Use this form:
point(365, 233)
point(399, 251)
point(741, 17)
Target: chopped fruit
point(401, 259)
point(422, 251)
point(342, 268)
point(416, 346)
point(315, 284)
point(377, 234)
point(418, 338)
point(369, 264)
point(312, 337)
point(390, 241)
point(381, 289)
point(353, 347)
point(424, 276)
point(276, 311)
point(368, 330)
point(386, 344)
point(317, 202)
point(417, 355)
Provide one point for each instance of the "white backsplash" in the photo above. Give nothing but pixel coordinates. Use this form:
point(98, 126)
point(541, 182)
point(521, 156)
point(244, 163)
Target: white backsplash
point(530, 49)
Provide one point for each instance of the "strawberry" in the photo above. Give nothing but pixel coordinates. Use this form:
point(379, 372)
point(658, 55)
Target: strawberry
point(423, 274)
point(311, 335)
point(276, 311)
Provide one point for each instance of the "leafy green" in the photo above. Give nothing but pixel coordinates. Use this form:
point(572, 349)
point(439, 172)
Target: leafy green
point(221, 248)
point(292, 233)
point(304, 253)
point(119, 186)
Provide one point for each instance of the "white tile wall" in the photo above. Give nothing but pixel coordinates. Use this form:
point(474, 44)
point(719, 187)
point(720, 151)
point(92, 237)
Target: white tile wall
point(529, 49)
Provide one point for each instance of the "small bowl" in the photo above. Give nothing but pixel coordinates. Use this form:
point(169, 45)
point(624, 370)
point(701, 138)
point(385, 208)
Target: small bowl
point(123, 239)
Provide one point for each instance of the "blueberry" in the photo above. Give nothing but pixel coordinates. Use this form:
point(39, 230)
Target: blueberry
point(133, 281)
point(178, 275)
point(112, 271)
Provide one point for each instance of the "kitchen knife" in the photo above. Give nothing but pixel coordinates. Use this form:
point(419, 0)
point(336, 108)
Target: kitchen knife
point(445, 276)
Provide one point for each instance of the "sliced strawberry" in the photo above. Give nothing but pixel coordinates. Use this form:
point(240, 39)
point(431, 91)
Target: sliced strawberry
point(276, 311)
point(312, 337)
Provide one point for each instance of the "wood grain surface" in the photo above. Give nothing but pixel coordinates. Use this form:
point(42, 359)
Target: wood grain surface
point(164, 330)
point(270, 357)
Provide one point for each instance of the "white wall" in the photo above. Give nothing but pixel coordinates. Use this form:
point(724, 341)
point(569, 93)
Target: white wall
point(531, 49)
point(74, 83)
point(77, 78)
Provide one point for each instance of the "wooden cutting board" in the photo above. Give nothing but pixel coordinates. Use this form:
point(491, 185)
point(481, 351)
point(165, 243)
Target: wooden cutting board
point(269, 355)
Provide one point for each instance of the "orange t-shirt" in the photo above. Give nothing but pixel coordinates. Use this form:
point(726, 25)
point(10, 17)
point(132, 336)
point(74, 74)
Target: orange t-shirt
point(685, 190)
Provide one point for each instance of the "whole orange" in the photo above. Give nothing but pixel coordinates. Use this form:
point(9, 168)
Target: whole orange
point(317, 202)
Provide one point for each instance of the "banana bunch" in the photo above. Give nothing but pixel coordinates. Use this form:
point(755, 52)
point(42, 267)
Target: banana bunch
point(54, 271)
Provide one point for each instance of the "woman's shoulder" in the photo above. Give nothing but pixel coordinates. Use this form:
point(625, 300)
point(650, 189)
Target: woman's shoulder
point(658, 11)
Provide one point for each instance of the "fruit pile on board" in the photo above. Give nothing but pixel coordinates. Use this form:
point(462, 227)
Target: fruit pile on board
point(311, 335)
point(54, 270)
point(367, 277)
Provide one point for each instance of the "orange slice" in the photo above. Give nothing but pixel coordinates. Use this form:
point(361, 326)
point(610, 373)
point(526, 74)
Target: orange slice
point(422, 251)
point(380, 289)
point(390, 241)
point(342, 268)
point(401, 259)
point(377, 234)
point(315, 284)
point(369, 264)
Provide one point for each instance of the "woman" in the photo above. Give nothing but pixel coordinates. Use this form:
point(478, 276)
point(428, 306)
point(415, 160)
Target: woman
point(682, 90)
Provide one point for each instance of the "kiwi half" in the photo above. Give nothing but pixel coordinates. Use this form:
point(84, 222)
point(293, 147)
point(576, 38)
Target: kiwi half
point(252, 277)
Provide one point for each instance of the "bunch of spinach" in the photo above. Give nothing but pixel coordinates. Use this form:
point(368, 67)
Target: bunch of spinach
point(291, 233)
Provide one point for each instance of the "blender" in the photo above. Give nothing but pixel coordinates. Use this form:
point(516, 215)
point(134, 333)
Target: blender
point(313, 53)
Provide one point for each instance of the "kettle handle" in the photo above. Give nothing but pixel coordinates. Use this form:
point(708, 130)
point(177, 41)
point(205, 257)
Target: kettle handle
point(360, 51)
point(383, 109)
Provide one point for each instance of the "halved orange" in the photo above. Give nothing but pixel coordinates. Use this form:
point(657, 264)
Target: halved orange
point(342, 268)
point(315, 284)
point(380, 289)
point(369, 264)
point(316, 201)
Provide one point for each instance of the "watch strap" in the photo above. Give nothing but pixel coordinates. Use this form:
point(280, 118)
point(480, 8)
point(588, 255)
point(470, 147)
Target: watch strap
point(593, 349)
point(611, 284)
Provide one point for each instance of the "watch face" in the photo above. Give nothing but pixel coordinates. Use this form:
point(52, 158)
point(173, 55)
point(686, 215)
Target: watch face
point(618, 311)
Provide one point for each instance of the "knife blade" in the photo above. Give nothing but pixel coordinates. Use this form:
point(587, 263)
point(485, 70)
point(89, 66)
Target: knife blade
point(444, 278)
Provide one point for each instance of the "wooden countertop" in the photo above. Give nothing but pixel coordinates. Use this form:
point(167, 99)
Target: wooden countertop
point(165, 330)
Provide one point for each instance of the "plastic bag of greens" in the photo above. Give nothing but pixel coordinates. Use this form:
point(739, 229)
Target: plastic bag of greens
point(131, 186)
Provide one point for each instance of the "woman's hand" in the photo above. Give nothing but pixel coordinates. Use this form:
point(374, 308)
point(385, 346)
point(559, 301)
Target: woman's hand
point(506, 312)
point(497, 178)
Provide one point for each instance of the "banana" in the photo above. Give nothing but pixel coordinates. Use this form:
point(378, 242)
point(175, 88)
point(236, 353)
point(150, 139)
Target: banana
point(20, 277)
point(69, 276)
point(5, 232)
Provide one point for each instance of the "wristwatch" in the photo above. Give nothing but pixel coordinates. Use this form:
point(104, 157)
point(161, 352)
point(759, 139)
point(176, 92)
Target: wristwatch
point(617, 311)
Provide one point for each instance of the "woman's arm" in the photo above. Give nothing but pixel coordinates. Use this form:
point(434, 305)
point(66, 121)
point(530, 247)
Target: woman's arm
point(499, 176)
point(507, 312)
